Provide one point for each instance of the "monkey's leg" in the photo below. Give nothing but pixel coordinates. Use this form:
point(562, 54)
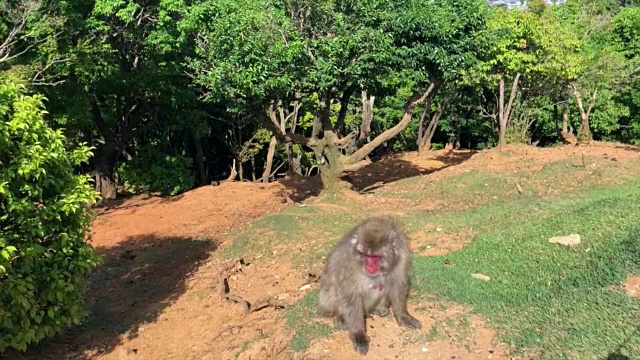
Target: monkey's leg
point(382, 309)
point(353, 314)
point(398, 297)
point(339, 323)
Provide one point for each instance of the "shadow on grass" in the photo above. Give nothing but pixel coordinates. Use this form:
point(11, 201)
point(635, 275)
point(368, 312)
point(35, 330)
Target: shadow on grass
point(138, 279)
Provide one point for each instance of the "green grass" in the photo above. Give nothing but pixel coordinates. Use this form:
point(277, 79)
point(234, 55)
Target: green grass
point(478, 187)
point(559, 302)
point(301, 318)
point(544, 296)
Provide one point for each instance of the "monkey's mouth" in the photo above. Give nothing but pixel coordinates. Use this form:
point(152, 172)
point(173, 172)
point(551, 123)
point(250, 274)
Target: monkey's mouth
point(371, 263)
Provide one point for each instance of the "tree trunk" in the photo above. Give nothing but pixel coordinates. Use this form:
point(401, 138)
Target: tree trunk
point(293, 162)
point(269, 164)
point(328, 157)
point(106, 186)
point(565, 117)
point(504, 113)
point(425, 143)
point(202, 168)
point(421, 124)
point(456, 143)
point(564, 133)
point(106, 163)
point(584, 133)
point(367, 117)
point(344, 107)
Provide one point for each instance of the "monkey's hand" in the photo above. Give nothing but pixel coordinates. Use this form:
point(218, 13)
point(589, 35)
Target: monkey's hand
point(360, 342)
point(380, 311)
point(409, 321)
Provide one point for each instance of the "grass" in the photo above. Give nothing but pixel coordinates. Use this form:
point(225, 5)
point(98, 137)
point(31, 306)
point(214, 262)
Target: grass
point(559, 302)
point(300, 317)
point(554, 299)
point(478, 187)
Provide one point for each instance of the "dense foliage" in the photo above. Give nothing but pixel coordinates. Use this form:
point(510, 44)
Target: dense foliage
point(251, 89)
point(43, 221)
point(154, 171)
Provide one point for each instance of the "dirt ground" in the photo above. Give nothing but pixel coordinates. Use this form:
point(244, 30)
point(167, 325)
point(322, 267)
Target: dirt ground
point(157, 294)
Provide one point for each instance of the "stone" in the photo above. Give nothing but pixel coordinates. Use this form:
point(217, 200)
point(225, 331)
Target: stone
point(568, 240)
point(482, 277)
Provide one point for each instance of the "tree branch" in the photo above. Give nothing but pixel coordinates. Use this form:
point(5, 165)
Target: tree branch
point(282, 136)
point(413, 101)
point(96, 114)
point(512, 96)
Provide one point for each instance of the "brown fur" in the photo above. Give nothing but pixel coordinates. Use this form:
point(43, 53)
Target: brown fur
point(348, 293)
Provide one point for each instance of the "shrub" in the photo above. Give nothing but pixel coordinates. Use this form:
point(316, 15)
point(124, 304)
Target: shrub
point(44, 219)
point(154, 171)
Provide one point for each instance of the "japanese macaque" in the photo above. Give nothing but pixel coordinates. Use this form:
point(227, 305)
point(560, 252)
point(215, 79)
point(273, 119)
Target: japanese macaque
point(367, 270)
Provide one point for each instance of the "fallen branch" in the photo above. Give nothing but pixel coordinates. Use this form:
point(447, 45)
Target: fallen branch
point(247, 307)
point(366, 188)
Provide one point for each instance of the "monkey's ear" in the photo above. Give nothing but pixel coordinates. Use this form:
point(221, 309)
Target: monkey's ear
point(392, 236)
point(354, 239)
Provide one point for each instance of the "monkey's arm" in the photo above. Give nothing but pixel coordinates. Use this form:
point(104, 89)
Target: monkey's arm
point(353, 315)
point(398, 296)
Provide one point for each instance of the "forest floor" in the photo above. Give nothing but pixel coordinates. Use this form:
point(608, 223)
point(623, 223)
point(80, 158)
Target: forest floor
point(157, 294)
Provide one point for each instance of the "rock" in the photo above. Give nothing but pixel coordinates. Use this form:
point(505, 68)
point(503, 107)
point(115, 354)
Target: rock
point(568, 240)
point(480, 277)
point(283, 296)
point(305, 287)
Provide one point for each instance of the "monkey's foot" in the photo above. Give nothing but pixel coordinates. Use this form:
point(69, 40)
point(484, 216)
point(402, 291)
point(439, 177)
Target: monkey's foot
point(338, 323)
point(409, 321)
point(380, 311)
point(360, 343)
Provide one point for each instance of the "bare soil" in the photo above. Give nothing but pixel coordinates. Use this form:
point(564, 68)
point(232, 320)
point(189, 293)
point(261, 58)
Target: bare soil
point(157, 294)
point(632, 285)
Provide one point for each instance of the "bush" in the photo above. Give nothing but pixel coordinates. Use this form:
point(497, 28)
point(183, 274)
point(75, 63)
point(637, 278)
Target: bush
point(44, 219)
point(154, 171)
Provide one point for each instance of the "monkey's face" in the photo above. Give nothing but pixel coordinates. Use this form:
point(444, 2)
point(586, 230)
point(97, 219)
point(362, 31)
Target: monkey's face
point(374, 261)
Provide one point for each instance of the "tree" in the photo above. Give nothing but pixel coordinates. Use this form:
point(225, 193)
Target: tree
point(125, 77)
point(627, 38)
point(592, 66)
point(510, 49)
point(269, 56)
point(44, 220)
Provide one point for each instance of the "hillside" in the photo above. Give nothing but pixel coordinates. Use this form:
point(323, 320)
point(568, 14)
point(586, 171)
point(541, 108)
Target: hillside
point(158, 293)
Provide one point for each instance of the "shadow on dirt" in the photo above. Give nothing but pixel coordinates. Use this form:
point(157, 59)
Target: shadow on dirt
point(629, 148)
point(394, 169)
point(137, 280)
point(130, 201)
point(300, 188)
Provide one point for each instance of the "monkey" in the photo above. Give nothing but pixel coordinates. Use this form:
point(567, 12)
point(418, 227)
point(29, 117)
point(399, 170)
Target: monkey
point(365, 272)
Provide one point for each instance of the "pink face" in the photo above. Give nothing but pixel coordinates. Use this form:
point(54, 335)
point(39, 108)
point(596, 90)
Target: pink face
point(371, 263)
